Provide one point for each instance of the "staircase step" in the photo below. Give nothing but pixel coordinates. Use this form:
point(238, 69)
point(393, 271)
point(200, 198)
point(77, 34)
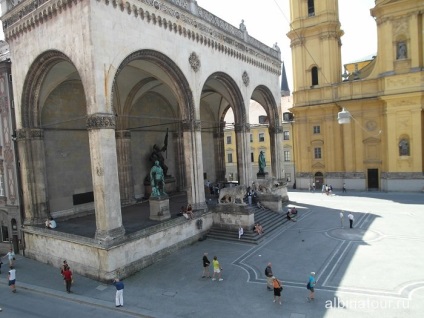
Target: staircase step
point(270, 221)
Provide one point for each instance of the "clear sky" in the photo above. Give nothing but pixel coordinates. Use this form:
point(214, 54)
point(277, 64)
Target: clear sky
point(269, 21)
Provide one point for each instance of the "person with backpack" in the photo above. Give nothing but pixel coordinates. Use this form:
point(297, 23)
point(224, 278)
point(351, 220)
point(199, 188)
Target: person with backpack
point(311, 287)
point(269, 275)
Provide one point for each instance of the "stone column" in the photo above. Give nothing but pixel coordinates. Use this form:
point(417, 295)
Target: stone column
point(104, 169)
point(33, 171)
point(123, 150)
point(180, 174)
point(218, 138)
point(194, 163)
point(244, 166)
point(276, 136)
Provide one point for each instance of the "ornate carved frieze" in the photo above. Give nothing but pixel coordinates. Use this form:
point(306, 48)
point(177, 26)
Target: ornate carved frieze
point(245, 78)
point(260, 55)
point(101, 121)
point(194, 61)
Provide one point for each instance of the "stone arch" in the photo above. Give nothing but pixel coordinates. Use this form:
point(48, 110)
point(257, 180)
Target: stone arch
point(39, 69)
point(181, 87)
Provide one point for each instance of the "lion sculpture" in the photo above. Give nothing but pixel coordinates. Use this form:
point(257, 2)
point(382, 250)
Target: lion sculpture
point(234, 193)
point(265, 185)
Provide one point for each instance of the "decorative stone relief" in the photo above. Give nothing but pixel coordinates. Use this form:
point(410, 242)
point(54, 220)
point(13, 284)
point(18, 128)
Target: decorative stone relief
point(245, 78)
point(101, 121)
point(194, 61)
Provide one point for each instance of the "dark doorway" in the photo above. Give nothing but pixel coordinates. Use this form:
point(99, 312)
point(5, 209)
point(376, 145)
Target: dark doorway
point(319, 180)
point(373, 179)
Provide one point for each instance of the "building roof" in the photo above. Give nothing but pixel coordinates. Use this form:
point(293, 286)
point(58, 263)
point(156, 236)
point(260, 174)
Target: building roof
point(285, 90)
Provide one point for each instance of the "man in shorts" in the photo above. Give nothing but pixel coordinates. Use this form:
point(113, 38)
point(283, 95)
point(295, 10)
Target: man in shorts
point(12, 279)
point(216, 269)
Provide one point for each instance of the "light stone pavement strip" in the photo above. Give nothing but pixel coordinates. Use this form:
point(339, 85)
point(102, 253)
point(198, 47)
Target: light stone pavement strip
point(373, 270)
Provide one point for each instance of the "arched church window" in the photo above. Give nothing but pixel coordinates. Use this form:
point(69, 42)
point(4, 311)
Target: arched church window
point(401, 51)
point(404, 147)
point(314, 75)
point(311, 8)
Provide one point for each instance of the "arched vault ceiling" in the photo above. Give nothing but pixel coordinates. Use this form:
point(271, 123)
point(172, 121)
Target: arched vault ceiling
point(59, 73)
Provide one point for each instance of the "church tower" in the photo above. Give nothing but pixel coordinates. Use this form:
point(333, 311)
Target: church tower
point(315, 42)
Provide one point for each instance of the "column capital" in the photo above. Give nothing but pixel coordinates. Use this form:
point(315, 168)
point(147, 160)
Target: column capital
point(29, 133)
point(123, 134)
point(245, 127)
point(191, 125)
point(101, 121)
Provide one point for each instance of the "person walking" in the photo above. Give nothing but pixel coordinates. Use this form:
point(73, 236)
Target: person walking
point(278, 287)
point(216, 269)
point(351, 219)
point(311, 287)
point(206, 264)
point(344, 187)
point(119, 297)
point(269, 277)
point(67, 276)
point(10, 256)
point(12, 279)
point(341, 218)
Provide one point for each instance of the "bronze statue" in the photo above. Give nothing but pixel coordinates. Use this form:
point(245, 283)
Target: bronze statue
point(158, 156)
point(157, 180)
point(261, 162)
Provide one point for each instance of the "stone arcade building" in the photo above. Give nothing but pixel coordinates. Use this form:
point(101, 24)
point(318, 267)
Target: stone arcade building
point(96, 84)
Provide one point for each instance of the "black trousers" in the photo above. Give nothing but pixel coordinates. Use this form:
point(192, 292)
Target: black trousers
point(351, 223)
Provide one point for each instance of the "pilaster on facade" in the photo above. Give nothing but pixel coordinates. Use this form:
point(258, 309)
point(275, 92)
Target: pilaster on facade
point(123, 149)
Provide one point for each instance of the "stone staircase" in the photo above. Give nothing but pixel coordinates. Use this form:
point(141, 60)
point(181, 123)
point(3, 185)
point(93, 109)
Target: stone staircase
point(270, 221)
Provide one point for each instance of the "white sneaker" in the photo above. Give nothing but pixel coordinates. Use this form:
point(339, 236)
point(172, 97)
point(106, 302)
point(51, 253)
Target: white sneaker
point(213, 278)
point(221, 279)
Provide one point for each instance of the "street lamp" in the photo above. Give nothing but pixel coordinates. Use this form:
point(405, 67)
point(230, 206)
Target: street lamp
point(343, 117)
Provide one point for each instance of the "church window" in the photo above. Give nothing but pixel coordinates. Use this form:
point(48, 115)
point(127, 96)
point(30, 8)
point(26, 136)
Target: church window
point(317, 153)
point(311, 8)
point(228, 140)
point(230, 157)
point(286, 135)
point(261, 137)
point(317, 129)
point(314, 75)
point(286, 156)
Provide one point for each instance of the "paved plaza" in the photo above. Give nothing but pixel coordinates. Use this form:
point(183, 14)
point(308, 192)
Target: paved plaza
point(373, 270)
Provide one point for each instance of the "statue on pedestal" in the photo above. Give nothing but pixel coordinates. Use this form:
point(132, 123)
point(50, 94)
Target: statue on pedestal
point(157, 180)
point(261, 162)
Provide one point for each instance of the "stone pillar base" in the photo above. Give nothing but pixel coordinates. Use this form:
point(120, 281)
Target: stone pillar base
point(159, 208)
point(231, 216)
point(274, 201)
point(111, 234)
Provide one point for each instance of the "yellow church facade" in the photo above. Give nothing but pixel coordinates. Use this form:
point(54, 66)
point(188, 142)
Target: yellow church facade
point(380, 145)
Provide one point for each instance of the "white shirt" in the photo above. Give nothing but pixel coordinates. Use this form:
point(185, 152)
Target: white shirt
point(12, 274)
point(350, 216)
point(341, 215)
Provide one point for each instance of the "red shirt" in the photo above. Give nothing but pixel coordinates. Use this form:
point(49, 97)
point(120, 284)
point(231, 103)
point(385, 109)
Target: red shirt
point(67, 274)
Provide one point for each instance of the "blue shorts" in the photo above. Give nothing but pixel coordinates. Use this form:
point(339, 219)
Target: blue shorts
point(12, 282)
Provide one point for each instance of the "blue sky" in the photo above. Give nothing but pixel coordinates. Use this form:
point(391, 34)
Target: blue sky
point(269, 22)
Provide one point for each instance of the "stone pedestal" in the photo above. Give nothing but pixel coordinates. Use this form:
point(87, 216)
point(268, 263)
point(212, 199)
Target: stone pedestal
point(159, 208)
point(231, 216)
point(275, 200)
point(260, 175)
